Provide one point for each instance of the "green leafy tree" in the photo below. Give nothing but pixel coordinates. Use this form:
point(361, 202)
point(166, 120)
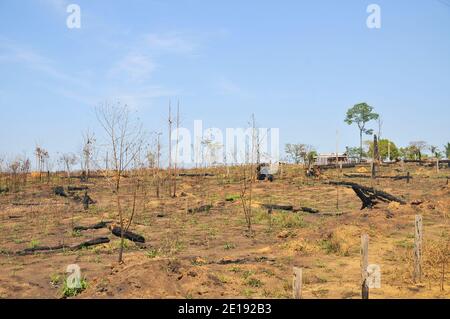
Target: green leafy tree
point(361, 114)
point(414, 151)
point(435, 152)
point(447, 150)
point(386, 149)
point(298, 153)
point(355, 152)
point(417, 148)
point(310, 157)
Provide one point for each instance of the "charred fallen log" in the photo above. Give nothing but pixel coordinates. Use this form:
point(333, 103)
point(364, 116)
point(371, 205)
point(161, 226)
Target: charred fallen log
point(291, 208)
point(117, 231)
point(93, 242)
point(90, 243)
point(86, 200)
point(308, 210)
point(77, 188)
point(92, 227)
point(396, 178)
point(201, 209)
point(28, 204)
point(369, 193)
point(278, 207)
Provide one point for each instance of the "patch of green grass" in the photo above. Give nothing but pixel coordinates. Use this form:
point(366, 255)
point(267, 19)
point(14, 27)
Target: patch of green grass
point(126, 244)
point(73, 292)
point(248, 293)
point(246, 274)
point(288, 220)
point(177, 246)
point(268, 272)
point(223, 279)
point(212, 233)
point(329, 246)
point(34, 243)
point(153, 253)
point(254, 283)
point(232, 198)
point(235, 269)
point(260, 216)
point(55, 279)
point(76, 233)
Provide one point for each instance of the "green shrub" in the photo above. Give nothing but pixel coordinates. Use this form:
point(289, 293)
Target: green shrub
point(73, 292)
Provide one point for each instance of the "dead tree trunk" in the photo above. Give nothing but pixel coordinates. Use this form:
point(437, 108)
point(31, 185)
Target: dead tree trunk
point(375, 157)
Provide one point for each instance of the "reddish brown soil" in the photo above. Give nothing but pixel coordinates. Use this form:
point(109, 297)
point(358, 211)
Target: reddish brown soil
point(210, 255)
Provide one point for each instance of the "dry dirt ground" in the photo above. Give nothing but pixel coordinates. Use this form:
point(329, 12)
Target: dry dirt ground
point(210, 255)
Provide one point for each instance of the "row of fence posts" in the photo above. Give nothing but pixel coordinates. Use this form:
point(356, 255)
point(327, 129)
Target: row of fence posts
point(371, 274)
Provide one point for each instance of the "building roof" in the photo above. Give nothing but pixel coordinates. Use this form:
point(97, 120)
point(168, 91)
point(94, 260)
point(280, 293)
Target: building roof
point(331, 155)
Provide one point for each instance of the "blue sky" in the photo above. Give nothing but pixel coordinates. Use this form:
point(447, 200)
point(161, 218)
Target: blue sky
point(298, 65)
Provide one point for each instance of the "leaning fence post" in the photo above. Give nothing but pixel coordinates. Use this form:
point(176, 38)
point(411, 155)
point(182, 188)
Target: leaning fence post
point(297, 283)
point(364, 265)
point(418, 248)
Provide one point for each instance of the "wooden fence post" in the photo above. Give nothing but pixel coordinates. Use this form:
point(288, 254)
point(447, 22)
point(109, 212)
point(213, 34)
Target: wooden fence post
point(364, 265)
point(297, 283)
point(418, 248)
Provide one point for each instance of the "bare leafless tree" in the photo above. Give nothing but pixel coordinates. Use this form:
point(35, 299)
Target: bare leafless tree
point(2, 169)
point(18, 169)
point(124, 142)
point(68, 160)
point(248, 175)
point(246, 194)
point(174, 194)
point(87, 152)
point(41, 157)
point(170, 122)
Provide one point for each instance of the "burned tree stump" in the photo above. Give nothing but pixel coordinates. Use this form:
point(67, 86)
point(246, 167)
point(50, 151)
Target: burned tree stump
point(367, 202)
point(86, 200)
point(59, 190)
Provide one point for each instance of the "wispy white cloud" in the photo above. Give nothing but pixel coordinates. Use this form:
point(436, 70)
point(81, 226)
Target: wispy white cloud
point(139, 63)
point(72, 94)
point(171, 42)
point(134, 66)
point(12, 53)
point(225, 86)
point(143, 96)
